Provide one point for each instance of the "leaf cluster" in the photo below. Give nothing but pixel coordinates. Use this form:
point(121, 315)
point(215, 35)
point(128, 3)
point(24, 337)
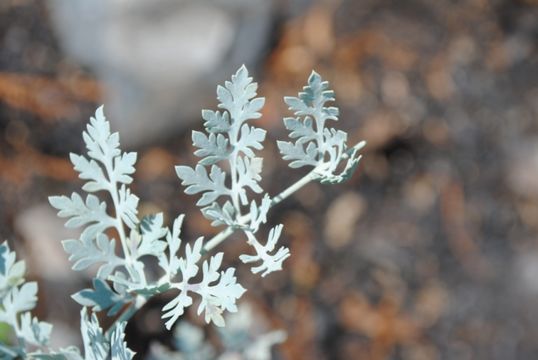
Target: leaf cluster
point(117, 243)
point(313, 142)
point(230, 139)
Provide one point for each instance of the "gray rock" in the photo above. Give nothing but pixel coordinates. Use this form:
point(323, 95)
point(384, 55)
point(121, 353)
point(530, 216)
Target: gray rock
point(160, 60)
point(43, 231)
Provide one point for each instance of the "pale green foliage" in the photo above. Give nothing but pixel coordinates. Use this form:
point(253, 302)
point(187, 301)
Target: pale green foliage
point(19, 298)
point(269, 262)
point(108, 169)
point(241, 339)
point(218, 291)
point(227, 176)
point(232, 140)
point(11, 270)
point(96, 344)
point(101, 297)
point(118, 347)
point(316, 144)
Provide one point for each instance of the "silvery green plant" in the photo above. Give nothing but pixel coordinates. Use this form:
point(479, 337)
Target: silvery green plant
point(243, 338)
point(227, 177)
point(31, 336)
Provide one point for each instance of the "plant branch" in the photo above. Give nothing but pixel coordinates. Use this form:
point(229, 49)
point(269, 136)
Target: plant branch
point(245, 219)
point(126, 314)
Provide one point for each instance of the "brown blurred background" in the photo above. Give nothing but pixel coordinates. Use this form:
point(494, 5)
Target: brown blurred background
point(429, 252)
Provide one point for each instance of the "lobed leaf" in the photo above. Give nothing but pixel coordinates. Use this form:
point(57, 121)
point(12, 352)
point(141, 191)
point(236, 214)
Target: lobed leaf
point(298, 155)
point(315, 144)
point(90, 170)
point(151, 233)
point(34, 331)
point(249, 173)
point(100, 298)
point(96, 346)
point(258, 214)
point(20, 299)
point(250, 137)
point(303, 130)
point(212, 148)
point(118, 346)
point(124, 167)
point(269, 262)
point(87, 251)
point(224, 215)
point(91, 213)
point(216, 121)
point(127, 207)
point(237, 97)
point(175, 308)
point(197, 180)
point(11, 271)
point(221, 296)
point(215, 297)
point(170, 263)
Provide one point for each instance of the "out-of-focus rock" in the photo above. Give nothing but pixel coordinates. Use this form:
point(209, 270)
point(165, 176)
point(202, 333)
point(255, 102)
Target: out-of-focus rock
point(431, 302)
point(420, 194)
point(526, 268)
point(380, 128)
point(161, 60)
point(42, 232)
point(394, 88)
point(342, 217)
point(522, 168)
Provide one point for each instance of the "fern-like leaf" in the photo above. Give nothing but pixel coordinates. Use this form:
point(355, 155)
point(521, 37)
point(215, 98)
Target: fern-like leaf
point(315, 144)
point(216, 297)
point(18, 298)
point(101, 297)
point(231, 139)
point(269, 261)
point(118, 347)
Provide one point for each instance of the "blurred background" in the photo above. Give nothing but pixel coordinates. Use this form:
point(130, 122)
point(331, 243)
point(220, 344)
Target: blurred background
point(429, 252)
